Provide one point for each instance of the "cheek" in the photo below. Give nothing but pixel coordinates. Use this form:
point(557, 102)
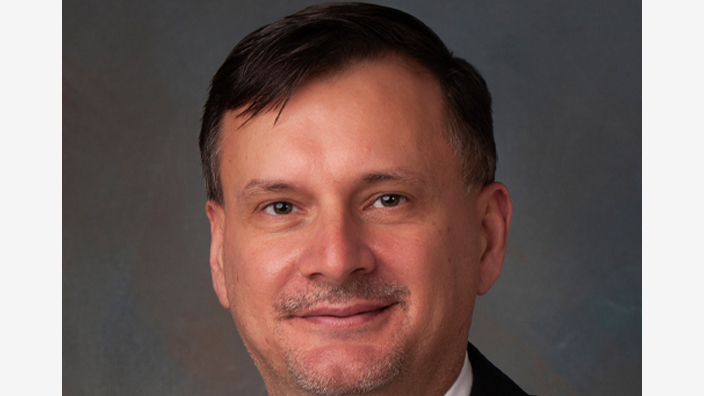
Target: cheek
point(462, 255)
point(438, 265)
point(429, 257)
point(257, 269)
point(416, 257)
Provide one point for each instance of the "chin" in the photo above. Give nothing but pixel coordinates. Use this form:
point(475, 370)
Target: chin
point(344, 369)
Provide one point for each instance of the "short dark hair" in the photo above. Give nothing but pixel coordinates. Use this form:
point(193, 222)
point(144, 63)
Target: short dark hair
point(265, 68)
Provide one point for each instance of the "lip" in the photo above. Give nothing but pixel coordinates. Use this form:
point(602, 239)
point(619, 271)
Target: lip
point(344, 316)
point(343, 311)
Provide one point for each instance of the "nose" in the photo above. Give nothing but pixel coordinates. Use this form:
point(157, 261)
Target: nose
point(337, 250)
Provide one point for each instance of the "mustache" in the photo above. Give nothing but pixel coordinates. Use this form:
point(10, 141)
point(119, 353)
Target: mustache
point(289, 304)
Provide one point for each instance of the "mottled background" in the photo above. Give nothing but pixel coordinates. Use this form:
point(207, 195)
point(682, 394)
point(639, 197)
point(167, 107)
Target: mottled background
point(139, 314)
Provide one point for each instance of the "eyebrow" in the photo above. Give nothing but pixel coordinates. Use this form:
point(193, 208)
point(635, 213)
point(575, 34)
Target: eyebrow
point(258, 186)
point(400, 175)
point(261, 186)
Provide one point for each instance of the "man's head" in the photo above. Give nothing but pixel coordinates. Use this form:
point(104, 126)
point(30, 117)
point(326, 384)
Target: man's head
point(349, 160)
point(266, 67)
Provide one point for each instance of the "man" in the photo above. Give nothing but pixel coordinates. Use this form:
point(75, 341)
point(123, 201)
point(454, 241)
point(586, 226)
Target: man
point(349, 162)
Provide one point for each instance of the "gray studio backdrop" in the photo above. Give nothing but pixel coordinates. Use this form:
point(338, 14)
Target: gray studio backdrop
point(139, 314)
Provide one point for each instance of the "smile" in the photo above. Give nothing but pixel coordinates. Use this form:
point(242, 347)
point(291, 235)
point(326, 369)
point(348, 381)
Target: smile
point(345, 316)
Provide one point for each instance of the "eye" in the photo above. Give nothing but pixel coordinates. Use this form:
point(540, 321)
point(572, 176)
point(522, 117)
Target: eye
point(280, 208)
point(389, 200)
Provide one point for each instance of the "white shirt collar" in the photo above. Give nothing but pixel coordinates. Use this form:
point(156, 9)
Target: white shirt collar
point(463, 383)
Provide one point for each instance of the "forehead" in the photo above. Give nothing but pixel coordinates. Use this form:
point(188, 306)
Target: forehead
point(373, 114)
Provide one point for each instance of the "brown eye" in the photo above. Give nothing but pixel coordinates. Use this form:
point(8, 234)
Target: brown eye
point(389, 200)
point(279, 208)
point(282, 208)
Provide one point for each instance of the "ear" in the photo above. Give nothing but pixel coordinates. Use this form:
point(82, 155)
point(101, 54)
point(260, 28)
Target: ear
point(495, 211)
point(216, 215)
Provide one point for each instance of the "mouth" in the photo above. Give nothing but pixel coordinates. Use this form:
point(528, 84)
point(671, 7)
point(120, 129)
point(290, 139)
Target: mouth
point(352, 315)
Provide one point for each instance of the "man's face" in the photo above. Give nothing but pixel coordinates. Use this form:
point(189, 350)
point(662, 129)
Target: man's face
point(348, 248)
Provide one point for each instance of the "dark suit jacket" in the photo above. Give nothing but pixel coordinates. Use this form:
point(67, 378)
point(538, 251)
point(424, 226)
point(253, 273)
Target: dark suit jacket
point(489, 380)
